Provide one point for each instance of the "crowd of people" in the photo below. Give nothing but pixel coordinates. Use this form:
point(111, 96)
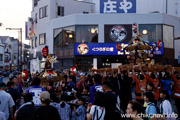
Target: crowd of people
point(93, 96)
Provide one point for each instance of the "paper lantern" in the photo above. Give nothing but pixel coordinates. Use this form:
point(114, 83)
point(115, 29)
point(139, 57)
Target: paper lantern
point(159, 44)
point(45, 52)
point(118, 47)
point(73, 70)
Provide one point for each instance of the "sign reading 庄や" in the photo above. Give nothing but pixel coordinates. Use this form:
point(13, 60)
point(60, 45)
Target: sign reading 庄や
point(107, 49)
point(117, 6)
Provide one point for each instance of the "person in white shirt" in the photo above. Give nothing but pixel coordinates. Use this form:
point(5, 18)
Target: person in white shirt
point(6, 101)
point(165, 106)
point(2, 116)
point(96, 111)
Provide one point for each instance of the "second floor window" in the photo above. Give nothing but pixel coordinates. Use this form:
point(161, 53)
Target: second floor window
point(42, 39)
point(35, 41)
point(1, 57)
point(60, 11)
point(43, 12)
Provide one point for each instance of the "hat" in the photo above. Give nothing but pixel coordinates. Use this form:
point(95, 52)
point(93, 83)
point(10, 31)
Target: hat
point(2, 85)
point(81, 77)
point(45, 96)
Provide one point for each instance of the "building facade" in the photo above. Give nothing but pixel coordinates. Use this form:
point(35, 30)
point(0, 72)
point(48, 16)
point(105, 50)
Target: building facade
point(158, 27)
point(44, 11)
point(9, 53)
point(61, 31)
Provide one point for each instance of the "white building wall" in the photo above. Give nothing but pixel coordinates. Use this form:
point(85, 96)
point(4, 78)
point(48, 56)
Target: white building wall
point(70, 7)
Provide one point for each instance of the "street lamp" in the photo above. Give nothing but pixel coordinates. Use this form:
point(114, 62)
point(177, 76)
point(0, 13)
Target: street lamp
point(19, 29)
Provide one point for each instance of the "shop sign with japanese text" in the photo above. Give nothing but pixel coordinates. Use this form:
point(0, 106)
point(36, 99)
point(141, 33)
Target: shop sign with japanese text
point(117, 6)
point(107, 49)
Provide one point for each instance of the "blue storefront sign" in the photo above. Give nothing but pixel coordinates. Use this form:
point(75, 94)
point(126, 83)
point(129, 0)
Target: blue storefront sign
point(117, 6)
point(107, 49)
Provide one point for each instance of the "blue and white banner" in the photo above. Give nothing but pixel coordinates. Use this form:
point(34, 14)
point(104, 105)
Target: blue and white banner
point(117, 6)
point(107, 49)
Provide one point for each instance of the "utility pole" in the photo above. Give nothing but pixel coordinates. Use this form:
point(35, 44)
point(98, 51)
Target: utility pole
point(20, 30)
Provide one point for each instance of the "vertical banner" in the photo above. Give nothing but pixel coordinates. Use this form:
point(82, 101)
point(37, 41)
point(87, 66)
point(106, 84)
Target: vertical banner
point(117, 6)
point(26, 31)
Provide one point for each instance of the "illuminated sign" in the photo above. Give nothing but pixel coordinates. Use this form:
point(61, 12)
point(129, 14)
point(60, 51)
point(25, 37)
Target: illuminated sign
point(107, 49)
point(117, 6)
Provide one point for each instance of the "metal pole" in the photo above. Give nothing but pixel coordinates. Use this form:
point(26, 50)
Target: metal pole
point(21, 47)
point(18, 54)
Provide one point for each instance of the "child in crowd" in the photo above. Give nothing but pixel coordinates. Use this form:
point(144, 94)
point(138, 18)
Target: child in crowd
point(81, 110)
point(149, 98)
point(85, 93)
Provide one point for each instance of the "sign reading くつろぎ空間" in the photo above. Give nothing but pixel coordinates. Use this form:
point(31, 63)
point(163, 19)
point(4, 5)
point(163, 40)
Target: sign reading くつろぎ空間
point(108, 49)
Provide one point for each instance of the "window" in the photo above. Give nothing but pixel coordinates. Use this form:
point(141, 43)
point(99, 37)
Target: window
point(168, 36)
point(35, 41)
point(151, 33)
point(35, 3)
point(58, 38)
point(60, 11)
point(1, 57)
point(87, 33)
point(36, 18)
point(64, 37)
point(43, 12)
point(69, 37)
point(42, 39)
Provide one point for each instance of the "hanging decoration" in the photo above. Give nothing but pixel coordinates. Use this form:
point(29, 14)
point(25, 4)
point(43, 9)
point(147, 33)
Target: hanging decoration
point(134, 28)
point(45, 51)
point(159, 44)
point(118, 47)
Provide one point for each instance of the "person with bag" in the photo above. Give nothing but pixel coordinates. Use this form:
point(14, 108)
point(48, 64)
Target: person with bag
point(97, 111)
